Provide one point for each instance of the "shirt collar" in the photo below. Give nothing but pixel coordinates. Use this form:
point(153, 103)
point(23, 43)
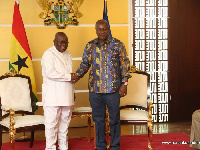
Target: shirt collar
point(62, 54)
point(106, 42)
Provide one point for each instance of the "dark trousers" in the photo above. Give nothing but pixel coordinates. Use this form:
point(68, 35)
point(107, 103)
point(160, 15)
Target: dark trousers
point(98, 102)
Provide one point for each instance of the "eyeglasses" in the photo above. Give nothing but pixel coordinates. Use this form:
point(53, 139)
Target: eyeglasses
point(63, 42)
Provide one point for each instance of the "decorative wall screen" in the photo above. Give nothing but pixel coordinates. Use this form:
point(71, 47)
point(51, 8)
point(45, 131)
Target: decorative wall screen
point(150, 50)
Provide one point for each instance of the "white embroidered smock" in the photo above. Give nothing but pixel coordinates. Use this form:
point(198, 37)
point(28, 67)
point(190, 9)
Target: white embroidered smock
point(56, 69)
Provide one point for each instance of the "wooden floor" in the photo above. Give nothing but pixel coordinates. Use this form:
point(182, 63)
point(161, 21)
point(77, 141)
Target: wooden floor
point(159, 128)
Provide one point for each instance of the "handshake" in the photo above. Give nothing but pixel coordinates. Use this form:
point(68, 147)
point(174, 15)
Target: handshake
point(74, 78)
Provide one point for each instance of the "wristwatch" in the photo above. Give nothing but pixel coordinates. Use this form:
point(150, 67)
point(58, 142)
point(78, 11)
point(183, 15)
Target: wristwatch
point(125, 83)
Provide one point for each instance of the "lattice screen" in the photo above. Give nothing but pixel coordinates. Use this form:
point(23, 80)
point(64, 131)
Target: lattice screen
point(150, 50)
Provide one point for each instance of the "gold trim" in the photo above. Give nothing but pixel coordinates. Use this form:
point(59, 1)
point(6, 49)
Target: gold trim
point(82, 116)
point(12, 130)
point(150, 125)
point(11, 72)
point(134, 69)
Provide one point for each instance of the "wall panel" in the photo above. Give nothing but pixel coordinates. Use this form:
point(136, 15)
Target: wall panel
point(3, 67)
point(184, 59)
point(40, 37)
point(5, 41)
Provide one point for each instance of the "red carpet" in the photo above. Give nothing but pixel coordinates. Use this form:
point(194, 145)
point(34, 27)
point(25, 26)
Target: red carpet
point(128, 142)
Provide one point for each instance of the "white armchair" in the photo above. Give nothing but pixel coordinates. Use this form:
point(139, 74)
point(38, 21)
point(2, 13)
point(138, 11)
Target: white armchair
point(136, 107)
point(16, 98)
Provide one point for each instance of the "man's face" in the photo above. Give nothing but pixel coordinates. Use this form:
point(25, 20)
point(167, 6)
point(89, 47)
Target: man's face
point(102, 31)
point(61, 43)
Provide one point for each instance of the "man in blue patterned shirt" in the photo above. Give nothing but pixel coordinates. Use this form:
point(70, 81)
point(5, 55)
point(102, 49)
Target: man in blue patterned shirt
point(106, 60)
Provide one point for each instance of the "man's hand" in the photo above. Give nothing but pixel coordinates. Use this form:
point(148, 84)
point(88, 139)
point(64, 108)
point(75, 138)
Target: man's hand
point(123, 90)
point(74, 78)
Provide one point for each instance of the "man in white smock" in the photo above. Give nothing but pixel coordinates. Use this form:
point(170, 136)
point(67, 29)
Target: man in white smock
point(57, 92)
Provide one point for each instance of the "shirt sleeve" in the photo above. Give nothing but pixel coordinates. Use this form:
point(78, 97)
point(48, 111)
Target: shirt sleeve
point(124, 63)
point(85, 64)
point(49, 70)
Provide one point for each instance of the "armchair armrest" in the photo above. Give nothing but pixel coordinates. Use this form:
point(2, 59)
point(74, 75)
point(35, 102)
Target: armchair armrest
point(150, 122)
point(11, 113)
point(39, 104)
point(8, 109)
point(5, 108)
point(150, 106)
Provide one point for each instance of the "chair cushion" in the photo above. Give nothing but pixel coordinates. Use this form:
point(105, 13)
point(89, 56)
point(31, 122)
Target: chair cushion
point(4, 112)
point(133, 115)
point(23, 121)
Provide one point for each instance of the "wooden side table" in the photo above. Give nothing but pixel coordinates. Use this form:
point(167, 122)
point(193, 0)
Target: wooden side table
point(82, 112)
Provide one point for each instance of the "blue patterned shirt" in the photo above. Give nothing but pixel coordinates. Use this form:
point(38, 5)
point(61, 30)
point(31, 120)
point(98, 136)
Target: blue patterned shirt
point(107, 64)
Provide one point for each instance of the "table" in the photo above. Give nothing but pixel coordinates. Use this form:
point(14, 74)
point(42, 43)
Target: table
point(82, 112)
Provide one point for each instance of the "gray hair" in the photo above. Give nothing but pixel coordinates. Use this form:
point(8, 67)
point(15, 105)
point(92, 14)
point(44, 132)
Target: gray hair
point(60, 34)
point(101, 21)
